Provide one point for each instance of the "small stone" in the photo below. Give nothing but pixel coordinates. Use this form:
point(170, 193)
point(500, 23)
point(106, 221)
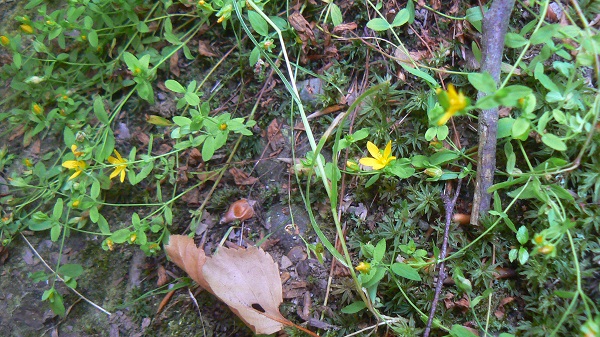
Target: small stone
point(285, 262)
point(297, 254)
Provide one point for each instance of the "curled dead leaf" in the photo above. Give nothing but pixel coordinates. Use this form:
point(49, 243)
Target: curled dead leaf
point(240, 210)
point(247, 280)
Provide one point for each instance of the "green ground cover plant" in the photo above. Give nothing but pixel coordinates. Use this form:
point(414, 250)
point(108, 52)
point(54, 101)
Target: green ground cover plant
point(78, 73)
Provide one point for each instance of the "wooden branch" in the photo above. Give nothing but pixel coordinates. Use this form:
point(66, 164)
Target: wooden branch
point(495, 25)
point(449, 209)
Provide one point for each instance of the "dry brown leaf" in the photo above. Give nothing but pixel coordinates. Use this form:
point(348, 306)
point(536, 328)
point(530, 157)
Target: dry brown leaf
point(174, 65)
point(183, 252)
point(205, 49)
point(242, 178)
point(344, 27)
point(254, 278)
point(274, 135)
point(247, 280)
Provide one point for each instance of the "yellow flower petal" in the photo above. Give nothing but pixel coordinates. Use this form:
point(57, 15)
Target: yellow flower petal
point(373, 150)
point(374, 163)
point(388, 150)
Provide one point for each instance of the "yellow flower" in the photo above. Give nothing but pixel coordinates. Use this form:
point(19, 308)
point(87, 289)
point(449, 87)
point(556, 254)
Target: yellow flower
point(132, 237)
point(75, 204)
point(452, 102)
point(77, 165)
point(75, 152)
point(27, 29)
point(363, 267)
point(121, 166)
point(379, 160)
point(37, 109)
point(109, 244)
point(221, 19)
point(4, 40)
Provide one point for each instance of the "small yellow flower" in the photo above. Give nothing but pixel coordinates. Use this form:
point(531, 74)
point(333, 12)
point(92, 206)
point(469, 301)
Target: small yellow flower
point(221, 19)
point(110, 244)
point(223, 127)
point(452, 102)
point(37, 109)
point(4, 40)
point(363, 267)
point(83, 37)
point(75, 152)
point(379, 160)
point(28, 162)
point(201, 3)
point(137, 71)
point(538, 239)
point(132, 237)
point(121, 166)
point(77, 165)
point(547, 249)
point(75, 204)
point(27, 29)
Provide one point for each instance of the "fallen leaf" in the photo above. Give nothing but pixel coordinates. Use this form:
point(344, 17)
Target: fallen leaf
point(276, 140)
point(183, 252)
point(247, 280)
point(205, 49)
point(162, 276)
point(174, 65)
point(344, 27)
point(254, 277)
point(242, 178)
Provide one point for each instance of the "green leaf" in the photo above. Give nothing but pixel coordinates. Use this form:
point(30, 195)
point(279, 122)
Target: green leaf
point(95, 190)
point(99, 110)
point(69, 136)
point(372, 180)
point(511, 158)
point(419, 73)
point(94, 214)
point(70, 269)
point(554, 142)
point(175, 86)
point(120, 235)
point(93, 38)
point(378, 24)
point(430, 133)
point(520, 128)
point(55, 232)
point(505, 127)
point(208, 150)
point(103, 225)
point(336, 14)
point(168, 215)
point(513, 40)
point(512, 255)
point(461, 331)
point(192, 98)
point(258, 23)
point(406, 271)
point(442, 132)
point(354, 307)
point(442, 157)
point(55, 301)
point(130, 60)
point(522, 235)
point(544, 34)
point(107, 146)
point(544, 79)
point(401, 18)
point(483, 82)
point(254, 56)
point(58, 209)
point(379, 251)
point(523, 255)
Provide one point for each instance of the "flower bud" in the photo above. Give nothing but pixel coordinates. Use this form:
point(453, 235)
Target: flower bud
point(363, 267)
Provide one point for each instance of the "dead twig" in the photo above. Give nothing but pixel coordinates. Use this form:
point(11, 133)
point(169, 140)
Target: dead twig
point(449, 209)
point(495, 25)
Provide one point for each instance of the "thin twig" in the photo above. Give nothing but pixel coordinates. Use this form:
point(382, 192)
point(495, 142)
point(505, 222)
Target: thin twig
point(449, 209)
